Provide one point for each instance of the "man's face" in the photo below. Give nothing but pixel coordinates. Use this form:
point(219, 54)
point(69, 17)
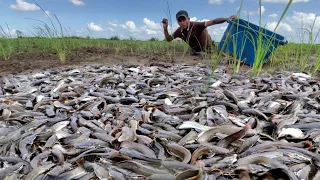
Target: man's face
point(183, 22)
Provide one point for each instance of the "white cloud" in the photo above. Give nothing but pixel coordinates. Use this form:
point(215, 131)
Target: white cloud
point(123, 26)
point(151, 24)
point(123, 36)
point(47, 14)
point(282, 27)
point(198, 20)
point(193, 19)
point(306, 19)
point(10, 32)
point(94, 27)
point(284, 1)
point(219, 30)
point(263, 9)
point(130, 24)
point(216, 32)
point(112, 30)
point(151, 32)
point(24, 6)
point(173, 27)
point(204, 20)
point(251, 13)
point(150, 27)
point(217, 2)
point(77, 2)
point(273, 15)
point(114, 23)
point(146, 31)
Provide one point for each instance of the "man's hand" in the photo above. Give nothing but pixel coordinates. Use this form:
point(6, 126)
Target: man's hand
point(233, 17)
point(165, 23)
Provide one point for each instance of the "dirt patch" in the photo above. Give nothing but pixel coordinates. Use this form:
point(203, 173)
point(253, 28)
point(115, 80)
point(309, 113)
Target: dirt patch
point(23, 61)
point(26, 62)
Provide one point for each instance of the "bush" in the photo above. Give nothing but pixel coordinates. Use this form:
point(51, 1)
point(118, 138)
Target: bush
point(153, 39)
point(115, 38)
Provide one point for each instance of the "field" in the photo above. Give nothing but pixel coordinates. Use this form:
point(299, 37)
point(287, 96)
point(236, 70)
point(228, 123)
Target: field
point(40, 53)
point(51, 45)
point(33, 53)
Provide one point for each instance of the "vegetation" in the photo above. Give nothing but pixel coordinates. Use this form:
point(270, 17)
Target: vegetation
point(284, 56)
point(10, 46)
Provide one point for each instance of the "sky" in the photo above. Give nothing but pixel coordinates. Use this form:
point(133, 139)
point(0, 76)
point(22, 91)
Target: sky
point(141, 19)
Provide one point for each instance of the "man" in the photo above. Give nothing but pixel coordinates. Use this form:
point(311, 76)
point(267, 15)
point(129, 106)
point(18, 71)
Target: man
point(194, 33)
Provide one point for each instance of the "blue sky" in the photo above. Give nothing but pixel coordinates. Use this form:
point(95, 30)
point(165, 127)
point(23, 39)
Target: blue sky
point(141, 19)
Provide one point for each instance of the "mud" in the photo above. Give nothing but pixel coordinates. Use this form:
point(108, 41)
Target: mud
point(26, 61)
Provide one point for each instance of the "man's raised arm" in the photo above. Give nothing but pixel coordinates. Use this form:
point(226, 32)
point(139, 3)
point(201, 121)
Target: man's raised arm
point(219, 20)
point(165, 29)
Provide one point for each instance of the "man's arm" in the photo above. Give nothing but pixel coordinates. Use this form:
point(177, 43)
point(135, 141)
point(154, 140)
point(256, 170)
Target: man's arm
point(165, 29)
point(167, 35)
point(219, 21)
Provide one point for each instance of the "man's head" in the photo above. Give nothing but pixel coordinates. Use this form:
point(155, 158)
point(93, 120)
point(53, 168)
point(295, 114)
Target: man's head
point(183, 19)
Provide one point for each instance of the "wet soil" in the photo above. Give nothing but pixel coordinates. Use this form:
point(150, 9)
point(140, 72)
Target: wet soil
point(27, 62)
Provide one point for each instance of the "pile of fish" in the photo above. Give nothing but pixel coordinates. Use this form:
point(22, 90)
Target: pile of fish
point(158, 122)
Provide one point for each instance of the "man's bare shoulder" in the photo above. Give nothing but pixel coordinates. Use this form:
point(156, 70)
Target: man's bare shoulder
point(198, 25)
point(197, 22)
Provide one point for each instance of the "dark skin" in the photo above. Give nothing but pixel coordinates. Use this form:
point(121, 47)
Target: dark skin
point(183, 23)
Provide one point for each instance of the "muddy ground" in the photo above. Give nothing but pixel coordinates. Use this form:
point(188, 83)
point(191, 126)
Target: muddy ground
point(23, 61)
point(26, 62)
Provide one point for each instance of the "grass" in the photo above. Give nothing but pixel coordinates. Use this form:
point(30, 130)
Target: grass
point(262, 49)
point(6, 48)
point(261, 42)
point(45, 45)
point(280, 57)
point(284, 57)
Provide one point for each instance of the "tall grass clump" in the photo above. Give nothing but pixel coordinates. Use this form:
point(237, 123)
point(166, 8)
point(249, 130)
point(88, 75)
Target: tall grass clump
point(309, 46)
point(6, 46)
point(168, 14)
point(261, 48)
point(216, 59)
point(236, 62)
point(262, 44)
point(53, 33)
point(317, 64)
point(306, 50)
